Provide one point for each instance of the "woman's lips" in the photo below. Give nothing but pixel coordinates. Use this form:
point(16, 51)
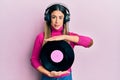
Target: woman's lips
point(57, 25)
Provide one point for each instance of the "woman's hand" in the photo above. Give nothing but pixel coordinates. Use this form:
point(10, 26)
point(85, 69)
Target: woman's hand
point(58, 73)
point(52, 73)
point(56, 38)
point(64, 37)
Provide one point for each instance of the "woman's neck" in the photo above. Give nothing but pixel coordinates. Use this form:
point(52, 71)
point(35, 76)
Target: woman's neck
point(55, 32)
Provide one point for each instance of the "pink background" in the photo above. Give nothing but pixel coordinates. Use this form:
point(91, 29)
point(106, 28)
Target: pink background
point(22, 20)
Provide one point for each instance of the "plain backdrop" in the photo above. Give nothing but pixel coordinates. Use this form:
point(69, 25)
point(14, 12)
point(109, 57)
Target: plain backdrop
point(22, 20)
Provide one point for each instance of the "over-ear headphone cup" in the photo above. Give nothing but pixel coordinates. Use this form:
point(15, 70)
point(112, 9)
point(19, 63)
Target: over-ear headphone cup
point(67, 18)
point(47, 18)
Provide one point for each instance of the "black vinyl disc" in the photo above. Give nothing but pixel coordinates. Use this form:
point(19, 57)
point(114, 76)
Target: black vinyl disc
point(57, 55)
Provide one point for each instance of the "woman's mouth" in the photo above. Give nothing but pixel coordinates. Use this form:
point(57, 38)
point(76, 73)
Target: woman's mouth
point(57, 25)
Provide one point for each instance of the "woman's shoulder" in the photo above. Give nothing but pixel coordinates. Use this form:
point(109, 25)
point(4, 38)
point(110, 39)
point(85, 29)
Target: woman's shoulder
point(72, 33)
point(40, 36)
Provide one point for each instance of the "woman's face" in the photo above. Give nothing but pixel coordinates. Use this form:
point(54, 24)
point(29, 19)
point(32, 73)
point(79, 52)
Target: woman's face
point(57, 19)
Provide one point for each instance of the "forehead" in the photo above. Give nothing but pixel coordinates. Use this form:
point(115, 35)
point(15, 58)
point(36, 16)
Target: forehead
point(57, 13)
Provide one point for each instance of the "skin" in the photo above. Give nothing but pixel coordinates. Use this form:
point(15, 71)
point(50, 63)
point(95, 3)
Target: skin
point(57, 18)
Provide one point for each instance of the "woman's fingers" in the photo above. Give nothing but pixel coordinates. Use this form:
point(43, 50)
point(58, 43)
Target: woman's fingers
point(56, 38)
point(58, 73)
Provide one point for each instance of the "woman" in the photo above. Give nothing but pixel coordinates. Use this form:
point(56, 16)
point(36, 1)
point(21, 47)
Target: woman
point(56, 18)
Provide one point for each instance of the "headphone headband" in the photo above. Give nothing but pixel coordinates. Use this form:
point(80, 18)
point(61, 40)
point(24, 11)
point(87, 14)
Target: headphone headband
point(50, 9)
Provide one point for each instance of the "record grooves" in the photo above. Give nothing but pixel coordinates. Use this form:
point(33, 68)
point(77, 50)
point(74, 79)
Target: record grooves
point(62, 56)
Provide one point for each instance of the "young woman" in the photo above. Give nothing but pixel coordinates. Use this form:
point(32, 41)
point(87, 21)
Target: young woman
point(56, 18)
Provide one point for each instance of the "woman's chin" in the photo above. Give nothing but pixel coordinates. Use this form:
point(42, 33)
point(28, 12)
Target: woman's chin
point(57, 27)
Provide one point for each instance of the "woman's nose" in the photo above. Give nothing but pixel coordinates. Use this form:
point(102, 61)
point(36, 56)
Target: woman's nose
point(57, 20)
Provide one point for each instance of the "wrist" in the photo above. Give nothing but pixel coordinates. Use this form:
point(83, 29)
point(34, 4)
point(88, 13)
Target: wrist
point(66, 37)
point(49, 74)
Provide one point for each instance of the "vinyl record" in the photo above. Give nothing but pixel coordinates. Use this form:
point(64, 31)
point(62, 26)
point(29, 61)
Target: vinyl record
point(57, 56)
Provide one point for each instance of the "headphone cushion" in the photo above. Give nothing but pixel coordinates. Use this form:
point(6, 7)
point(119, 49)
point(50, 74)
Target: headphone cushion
point(67, 18)
point(47, 17)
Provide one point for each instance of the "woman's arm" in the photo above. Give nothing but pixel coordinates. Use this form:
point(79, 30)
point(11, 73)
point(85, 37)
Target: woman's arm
point(43, 71)
point(51, 73)
point(79, 40)
point(35, 61)
point(64, 37)
point(72, 38)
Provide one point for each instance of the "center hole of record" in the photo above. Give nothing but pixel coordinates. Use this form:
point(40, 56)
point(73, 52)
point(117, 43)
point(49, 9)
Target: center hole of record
point(56, 56)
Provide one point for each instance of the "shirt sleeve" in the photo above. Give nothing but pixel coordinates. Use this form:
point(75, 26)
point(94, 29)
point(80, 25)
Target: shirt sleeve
point(35, 60)
point(84, 41)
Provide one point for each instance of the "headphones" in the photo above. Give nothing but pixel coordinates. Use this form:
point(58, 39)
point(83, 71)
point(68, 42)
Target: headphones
point(47, 14)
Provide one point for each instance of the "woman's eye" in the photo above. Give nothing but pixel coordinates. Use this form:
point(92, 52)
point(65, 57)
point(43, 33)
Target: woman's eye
point(60, 17)
point(53, 17)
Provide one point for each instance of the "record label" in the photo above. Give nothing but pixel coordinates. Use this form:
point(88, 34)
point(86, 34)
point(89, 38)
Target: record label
point(56, 56)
